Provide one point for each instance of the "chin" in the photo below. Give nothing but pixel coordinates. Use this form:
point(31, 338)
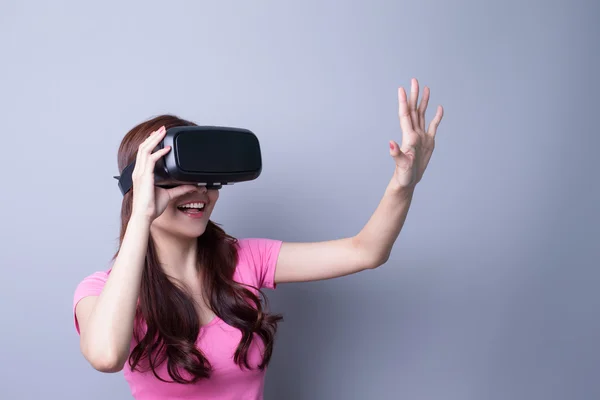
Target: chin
point(190, 232)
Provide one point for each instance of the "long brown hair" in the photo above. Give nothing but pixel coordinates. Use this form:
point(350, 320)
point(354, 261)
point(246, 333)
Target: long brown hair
point(167, 310)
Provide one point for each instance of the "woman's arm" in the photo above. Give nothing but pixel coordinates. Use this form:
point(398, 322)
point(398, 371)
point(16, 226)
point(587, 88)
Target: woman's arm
point(106, 321)
point(371, 247)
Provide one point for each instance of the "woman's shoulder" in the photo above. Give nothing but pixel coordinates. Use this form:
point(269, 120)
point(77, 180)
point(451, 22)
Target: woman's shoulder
point(98, 276)
point(93, 281)
point(258, 250)
point(257, 243)
point(90, 285)
point(257, 260)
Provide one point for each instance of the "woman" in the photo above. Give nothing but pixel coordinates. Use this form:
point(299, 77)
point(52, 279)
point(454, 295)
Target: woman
point(181, 309)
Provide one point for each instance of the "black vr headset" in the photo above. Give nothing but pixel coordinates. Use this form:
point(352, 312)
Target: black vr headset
point(210, 156)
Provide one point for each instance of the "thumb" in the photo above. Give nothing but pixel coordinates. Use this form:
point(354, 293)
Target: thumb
point(399, 157)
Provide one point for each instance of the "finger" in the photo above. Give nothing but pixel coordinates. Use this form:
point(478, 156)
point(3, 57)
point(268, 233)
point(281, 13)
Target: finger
point(149, 137)
point(433, 125)
point(145, 148)
point(180, 190)
point(405, 122)
point(154, 133)
point(152, 140)
point(159, 153)
point(423, 107)
point(412, 103)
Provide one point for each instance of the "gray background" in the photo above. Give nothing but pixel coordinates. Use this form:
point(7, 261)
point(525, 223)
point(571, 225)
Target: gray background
point(491, 289)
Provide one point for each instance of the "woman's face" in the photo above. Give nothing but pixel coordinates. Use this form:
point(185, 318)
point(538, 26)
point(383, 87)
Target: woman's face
point(188, 215)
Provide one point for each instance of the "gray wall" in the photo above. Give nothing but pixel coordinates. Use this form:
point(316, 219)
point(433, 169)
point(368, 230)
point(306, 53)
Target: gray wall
point(490, 292)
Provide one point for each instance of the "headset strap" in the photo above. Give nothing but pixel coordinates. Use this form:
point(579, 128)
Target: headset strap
point(126, 180)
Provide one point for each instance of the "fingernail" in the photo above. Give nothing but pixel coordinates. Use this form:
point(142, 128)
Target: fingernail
point(391, 146)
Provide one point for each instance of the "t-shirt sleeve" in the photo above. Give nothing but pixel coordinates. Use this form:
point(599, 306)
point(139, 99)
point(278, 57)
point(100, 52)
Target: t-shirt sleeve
point(91, 285)
point(258, 258)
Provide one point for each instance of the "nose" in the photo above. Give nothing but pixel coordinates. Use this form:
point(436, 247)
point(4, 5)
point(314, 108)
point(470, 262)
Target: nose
point(202, 188)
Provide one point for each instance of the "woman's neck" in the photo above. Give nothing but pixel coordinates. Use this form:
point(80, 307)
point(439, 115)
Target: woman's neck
point(178, 256)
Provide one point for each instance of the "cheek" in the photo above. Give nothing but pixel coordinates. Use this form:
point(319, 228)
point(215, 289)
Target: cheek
point(167, 216)
point(213, 196)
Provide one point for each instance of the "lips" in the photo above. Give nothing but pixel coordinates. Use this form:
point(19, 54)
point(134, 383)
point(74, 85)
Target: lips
point(192, 208)
point(192, 213)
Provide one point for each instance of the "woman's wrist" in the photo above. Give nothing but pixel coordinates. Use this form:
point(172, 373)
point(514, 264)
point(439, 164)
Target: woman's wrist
point(140, 218)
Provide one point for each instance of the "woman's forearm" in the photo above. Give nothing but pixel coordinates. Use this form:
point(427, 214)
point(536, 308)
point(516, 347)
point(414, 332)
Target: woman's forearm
point(109, 328)
point(381, 231)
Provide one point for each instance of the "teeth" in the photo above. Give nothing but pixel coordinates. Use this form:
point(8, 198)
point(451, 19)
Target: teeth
point(193, 205)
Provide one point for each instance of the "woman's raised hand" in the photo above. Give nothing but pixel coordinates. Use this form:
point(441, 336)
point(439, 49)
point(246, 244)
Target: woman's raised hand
point(149, 200)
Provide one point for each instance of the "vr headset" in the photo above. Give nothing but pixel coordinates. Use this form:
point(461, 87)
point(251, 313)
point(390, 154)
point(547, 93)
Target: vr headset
point(210, 156)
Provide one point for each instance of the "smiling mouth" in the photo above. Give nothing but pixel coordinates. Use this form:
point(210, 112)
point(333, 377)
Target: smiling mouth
point(191, 208)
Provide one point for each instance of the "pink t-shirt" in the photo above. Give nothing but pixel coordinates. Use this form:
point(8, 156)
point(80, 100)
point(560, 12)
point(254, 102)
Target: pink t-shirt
point(217, 340)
